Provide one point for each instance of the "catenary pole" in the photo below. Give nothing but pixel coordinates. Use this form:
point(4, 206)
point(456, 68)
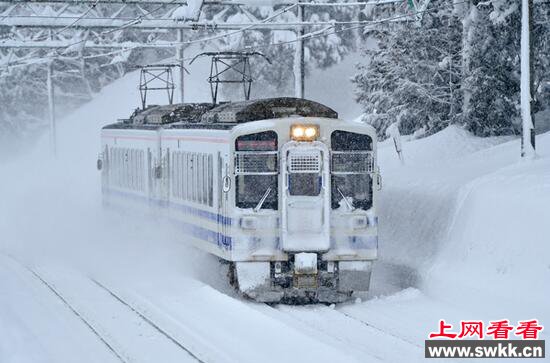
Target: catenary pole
point(302, 55)
point(182, 66)
point(51, 107)
point(528, 123)
point(299, 61)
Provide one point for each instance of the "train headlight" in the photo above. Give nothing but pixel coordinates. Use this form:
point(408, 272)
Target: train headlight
point(304, 132)
point(297, 132)
point(311, 132)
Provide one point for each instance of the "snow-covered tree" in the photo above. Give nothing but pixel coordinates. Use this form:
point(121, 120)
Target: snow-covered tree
point(412, 74)
point(474, 47)
point(492, 74)
point(76, 80)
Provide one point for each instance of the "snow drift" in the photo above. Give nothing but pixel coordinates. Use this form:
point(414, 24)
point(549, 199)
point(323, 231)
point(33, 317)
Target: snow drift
point(468, 217)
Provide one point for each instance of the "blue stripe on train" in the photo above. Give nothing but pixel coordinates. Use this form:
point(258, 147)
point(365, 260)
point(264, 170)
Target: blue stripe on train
point(194, 230)
point(218, 218)
point(204, 234)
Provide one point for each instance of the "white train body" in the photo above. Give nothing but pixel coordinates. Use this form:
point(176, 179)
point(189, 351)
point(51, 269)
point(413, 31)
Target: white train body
point(295, 216)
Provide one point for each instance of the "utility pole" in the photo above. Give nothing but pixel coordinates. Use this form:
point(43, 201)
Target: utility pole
point(182, 65)
point(51, 103)
point(527, 84)
point(299, 61)
point(51, 107)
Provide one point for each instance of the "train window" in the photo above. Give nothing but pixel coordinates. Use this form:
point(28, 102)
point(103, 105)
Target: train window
point(176, 174)
point(192, 177)
point(126, 169)
point(351, 170)
point(203, 179)
point(261, 141)
point(356, 188)
point(198, 177)
point(133, 168)
point(252, 188)
point(181, 174)
point(210, 180)
point(188, 170)
point(350, 141)
point(308, 184)
point(184, 177)
point(256, 170)
point(176, 179)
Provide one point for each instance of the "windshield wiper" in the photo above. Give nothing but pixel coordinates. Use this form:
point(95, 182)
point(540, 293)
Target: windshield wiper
point(345, 200)
point(261, 202)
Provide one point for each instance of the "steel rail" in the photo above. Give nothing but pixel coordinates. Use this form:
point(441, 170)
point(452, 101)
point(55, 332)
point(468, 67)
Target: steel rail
point(77, 313)
point(145, 318)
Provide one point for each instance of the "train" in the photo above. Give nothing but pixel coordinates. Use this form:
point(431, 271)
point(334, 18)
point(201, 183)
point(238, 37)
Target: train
point(281, 190)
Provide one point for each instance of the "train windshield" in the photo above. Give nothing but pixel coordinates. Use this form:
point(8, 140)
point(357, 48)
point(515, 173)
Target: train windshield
point(256, 171)
point(356, 189)
point(352, 165)
point(307, 184)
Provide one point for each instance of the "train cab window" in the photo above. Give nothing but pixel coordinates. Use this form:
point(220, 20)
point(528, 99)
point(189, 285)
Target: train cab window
point(352, 166)
point(350, 141)
point(307, 184)
point(356, 188)
point(256, 170)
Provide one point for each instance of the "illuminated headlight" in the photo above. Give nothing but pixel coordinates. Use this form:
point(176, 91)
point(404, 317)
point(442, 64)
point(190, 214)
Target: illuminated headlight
point(249, 223)
point(304, 132)
point(297, 132)
point(359, 222)
point(310, 132)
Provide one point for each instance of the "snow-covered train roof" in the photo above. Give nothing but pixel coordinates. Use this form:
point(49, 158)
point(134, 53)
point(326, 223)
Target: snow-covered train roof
point(269, 108)
point(223, 116)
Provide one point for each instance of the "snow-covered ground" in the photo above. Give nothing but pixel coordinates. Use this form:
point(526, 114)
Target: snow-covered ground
point(464, 235)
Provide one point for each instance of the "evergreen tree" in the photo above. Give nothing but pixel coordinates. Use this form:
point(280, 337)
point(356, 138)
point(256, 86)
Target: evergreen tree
point(492, 76)
point(402, 79)
point(412, 75)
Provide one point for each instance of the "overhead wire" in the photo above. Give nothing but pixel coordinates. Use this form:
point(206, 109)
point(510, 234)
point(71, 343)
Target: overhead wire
point(311, 35)
point(139, 18)
point(78, 19)
point(171, 44)
point(357, 25)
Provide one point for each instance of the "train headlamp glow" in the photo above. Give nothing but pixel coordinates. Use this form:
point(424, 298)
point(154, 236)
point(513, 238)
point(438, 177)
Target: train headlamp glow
point(304, 132)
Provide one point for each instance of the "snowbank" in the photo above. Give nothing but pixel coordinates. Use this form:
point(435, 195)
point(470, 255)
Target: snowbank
point(468, 218)
point(497, 246)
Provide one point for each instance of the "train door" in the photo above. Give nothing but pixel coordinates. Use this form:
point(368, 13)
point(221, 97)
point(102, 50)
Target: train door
point(165, 168)
point(223, 200)
point(160, 175)
point(305, 197)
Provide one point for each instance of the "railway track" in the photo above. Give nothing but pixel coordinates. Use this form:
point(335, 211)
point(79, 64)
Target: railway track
point(96, 331)
point(383, 331)
point(147, 319)
point(359, 337)
point(107, 338)
point(133, 328)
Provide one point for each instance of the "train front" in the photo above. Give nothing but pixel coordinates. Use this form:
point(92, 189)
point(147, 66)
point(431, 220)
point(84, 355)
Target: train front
point(304, 209)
